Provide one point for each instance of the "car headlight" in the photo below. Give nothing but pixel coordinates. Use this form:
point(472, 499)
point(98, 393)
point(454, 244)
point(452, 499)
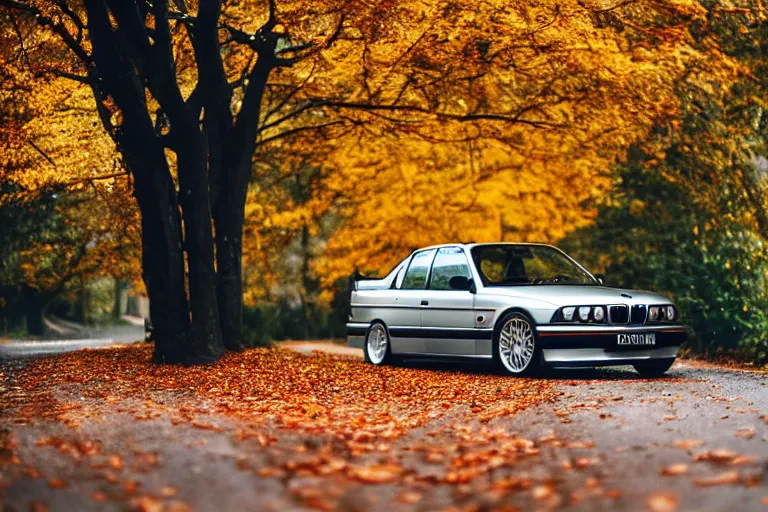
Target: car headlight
point(581, 314)
point(670, 312)
point(598, 314)
point(653, 313)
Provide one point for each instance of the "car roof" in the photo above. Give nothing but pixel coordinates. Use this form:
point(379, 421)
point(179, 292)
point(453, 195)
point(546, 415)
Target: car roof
point(477, 244)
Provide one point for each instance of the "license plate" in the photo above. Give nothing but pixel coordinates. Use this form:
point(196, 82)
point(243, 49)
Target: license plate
point(644, 339)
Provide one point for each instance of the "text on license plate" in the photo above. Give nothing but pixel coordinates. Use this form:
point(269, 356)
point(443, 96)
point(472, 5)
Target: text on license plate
point(637, 339)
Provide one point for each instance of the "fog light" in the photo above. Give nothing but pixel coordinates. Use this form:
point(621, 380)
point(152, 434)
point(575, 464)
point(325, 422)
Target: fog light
point(670, 311)
point(599, 314)
point(653, 314)
point(568, 313)
point(584, 313)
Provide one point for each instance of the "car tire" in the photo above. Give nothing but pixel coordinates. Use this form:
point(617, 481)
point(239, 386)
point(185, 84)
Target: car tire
point(377, 348)
point(655, 368)
point(515, 346)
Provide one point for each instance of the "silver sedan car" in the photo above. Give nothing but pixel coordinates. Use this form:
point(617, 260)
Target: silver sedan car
point(525, 306)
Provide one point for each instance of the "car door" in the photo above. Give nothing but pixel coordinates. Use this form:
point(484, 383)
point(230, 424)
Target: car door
point(405, 327)
point(447, 315)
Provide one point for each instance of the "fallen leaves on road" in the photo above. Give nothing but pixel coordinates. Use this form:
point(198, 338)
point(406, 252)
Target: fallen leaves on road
point(725, 458)
point(332, 394)
point(726, 478)
point(324, 424)
point(716, 456)
point(348, 415)
point(746, 433)
point(675, 470)
point(662, 502)
point(376, 474)
point(687, 444)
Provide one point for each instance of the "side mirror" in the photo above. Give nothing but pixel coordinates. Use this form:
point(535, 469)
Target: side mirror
point(461, 283)
point(600, 278)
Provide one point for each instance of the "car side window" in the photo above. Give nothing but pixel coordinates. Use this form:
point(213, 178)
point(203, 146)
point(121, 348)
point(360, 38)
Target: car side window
point(418, 270)
point(449, 262)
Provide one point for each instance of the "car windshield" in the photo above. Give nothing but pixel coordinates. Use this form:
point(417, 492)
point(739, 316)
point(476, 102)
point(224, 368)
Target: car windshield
point(509, 265)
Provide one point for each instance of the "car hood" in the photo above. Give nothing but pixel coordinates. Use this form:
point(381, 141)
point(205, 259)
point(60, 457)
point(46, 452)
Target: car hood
point(575, 295)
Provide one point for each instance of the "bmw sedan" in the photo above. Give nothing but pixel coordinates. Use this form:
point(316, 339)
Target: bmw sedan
point(525, 306)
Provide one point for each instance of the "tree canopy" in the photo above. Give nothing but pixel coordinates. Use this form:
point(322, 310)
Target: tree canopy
point(353, 132)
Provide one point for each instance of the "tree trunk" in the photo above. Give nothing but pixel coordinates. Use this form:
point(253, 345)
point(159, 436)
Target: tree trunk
point(229, 204)
point(228, 215)
point(81, 309)
point(34, 311)
point(117, 304)
point(306, 282)
point(162, 254)
point(195, 205)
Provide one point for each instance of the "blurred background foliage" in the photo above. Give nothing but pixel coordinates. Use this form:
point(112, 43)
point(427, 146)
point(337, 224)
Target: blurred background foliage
point(643, 154)
point(687, 211)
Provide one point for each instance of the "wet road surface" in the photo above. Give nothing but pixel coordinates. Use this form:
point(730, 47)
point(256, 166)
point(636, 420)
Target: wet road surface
point(696, 440)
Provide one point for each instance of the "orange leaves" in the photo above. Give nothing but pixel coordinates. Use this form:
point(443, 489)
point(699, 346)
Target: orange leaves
point(56, 483)
point(716, 456)
point(746, 433)
point(687, 444)
point(272, 393)
point(76, 450)
point(662, 502)
point(205, 426)
point(376, 474)
point(675, 470)
point(726, 478)
point(409, 497)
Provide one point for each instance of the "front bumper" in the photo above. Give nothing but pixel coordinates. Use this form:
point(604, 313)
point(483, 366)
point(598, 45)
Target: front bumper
point(594, 345)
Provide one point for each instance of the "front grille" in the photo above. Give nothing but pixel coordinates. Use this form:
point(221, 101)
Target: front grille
point(618, 314)
point(638, 314)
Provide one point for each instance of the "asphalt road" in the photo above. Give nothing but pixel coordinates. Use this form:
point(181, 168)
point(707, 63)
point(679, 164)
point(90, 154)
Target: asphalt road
point(91, 338)
point(697, 440)
point(19, 349)
point(679, 442)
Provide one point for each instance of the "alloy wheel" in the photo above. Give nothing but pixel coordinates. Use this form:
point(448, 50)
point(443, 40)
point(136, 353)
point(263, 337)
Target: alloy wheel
point(516, 344)
point(377, 344)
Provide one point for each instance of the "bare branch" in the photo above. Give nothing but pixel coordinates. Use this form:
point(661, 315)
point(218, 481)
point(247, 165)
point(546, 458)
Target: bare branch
point(91, 179)
point(507, 117)
point(83, 79)
point(58, 27)
point(293, 131)
point(42, 153)
point(290, 95)
point(295, 48)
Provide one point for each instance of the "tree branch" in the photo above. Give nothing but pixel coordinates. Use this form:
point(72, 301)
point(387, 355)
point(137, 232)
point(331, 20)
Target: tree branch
point(97, 178)
point(43, 153)
point(293, 131)
point(507, 118)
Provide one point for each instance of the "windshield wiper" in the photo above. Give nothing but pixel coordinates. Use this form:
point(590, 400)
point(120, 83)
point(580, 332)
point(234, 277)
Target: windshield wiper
point(552, 280)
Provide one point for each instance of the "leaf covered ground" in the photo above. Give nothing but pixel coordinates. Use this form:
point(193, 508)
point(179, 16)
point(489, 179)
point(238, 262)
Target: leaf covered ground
point(271, 429)
point(338, 416)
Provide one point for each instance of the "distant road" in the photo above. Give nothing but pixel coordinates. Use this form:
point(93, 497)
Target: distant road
point(24, 348)
point(72, 339)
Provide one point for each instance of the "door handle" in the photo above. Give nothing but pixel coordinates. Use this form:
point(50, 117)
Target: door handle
point(425, 303)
